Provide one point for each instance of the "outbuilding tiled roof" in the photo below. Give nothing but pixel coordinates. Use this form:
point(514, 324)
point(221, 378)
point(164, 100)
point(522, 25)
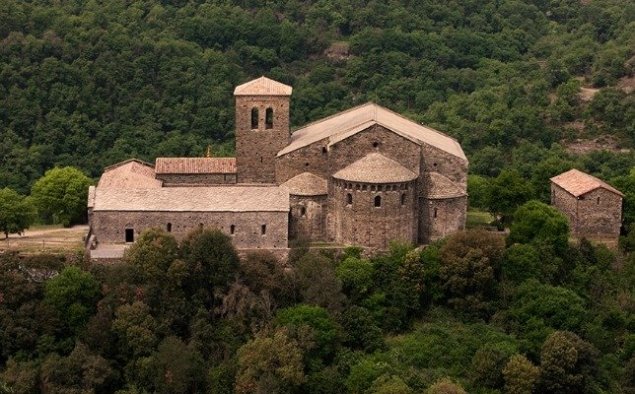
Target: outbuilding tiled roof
point(306, 184)
point(131, 173)
point(440, 187)
point(375, 168)
point(195, 165)
point(578, 183)
point(194, 199)
point(263, 86)
point(344, 124)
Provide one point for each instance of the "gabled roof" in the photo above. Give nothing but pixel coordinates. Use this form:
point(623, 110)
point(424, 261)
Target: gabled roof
point(306, 184)
point(195, 165)
point(440, 187)
point(129, 174)
point(263, 86)
point(344, 124)
point(194, 199)
point(375, 168)
point(578, 183)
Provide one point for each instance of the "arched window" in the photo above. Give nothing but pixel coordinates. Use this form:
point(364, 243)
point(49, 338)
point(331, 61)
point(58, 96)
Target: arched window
point(254, 118)
point(263, 229)
point(169, 227)
point(269, 118)
point(232, 229)
point(377, 201)
point(302, 211)
point(403, 199)
point(349, 199)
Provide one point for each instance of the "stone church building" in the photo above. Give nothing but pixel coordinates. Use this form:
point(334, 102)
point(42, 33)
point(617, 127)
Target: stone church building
point(366, 176)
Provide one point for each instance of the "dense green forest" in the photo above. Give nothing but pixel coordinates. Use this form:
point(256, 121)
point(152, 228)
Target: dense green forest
point(473, 313)
point(89, 83)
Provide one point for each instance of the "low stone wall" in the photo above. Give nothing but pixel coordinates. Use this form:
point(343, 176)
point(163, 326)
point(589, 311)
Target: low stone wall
point(245, 228)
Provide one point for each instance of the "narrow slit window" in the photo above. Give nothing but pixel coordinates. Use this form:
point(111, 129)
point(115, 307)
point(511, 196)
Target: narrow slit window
point(598, 201)
point(254, 118)
point(232, 229)
point(200, 225)
point(403, 199)
point(269, 118)
point(169, 227)
point(302, 211)
point(377, 201)
point(263, 229)
point(349, 199)
point(434, 214)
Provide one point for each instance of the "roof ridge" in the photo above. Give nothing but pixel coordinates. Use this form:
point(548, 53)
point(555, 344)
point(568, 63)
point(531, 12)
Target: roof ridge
point(121, 163)
point(333, 116)
point(417, 123)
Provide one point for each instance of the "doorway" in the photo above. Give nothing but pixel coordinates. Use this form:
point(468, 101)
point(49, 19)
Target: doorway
point(129, 235)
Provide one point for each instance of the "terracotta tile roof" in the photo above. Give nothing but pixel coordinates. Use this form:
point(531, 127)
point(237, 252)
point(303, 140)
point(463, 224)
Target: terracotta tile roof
point(440, 187)
point(375, 168)
point(306, 184)
point(578, 183)
point(195, 165)
point(263, 86)
point(344, 124)
point(129, 173)
point(194, 199)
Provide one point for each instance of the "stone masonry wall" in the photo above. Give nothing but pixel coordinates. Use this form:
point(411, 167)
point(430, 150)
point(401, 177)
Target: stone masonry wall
point(594, 214)
point(361, 223)
point(565, 203)
point(599, 214)
point(307, 219)
point(450, 166)
point(313, 158)
point(110, 226)
point(440, 218)
point(256, 149)
point(196, 179)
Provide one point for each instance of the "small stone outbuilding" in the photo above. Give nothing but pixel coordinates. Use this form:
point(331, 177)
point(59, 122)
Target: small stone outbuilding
point(593, 207)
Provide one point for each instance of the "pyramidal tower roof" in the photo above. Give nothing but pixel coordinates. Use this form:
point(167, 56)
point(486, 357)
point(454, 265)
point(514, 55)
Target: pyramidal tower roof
point(263, 86)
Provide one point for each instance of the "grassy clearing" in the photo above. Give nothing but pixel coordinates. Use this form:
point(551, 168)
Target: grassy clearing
point(46, 239)
point(476, 219)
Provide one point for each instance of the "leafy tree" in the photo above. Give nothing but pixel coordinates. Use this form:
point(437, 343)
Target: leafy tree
point(478, 189)
point(61, 195)
point(567, 364)
point(324, 331)
point(74, 294)
point(357, 277)
point(507, 192)
point(317, 283)
point(536, 222)
point(521, 376)
point(270, 363)
point(211, 260)
point(522, 262)
point(445, 386)
point(360, 331)
point(469, 264)
point(16, 212)
point(488, 363)
point(135, 328)
point(389, 385)
point(80, 371)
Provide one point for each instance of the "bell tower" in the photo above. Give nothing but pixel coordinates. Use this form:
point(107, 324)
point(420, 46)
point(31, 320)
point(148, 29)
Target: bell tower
point(262, 128)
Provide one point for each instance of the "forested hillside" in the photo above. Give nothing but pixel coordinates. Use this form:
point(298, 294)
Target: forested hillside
point(88, 83)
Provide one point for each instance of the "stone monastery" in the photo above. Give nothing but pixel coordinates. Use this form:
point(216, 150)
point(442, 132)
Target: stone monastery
point(365, 176)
